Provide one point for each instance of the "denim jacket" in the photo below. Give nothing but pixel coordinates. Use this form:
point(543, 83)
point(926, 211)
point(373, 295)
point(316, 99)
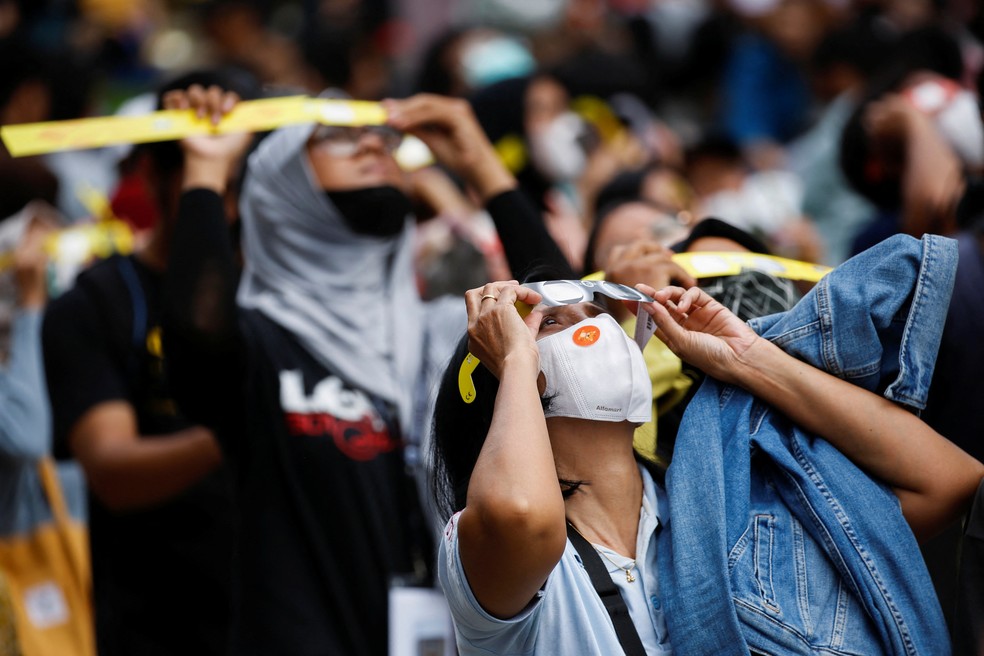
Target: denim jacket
point(776, 543)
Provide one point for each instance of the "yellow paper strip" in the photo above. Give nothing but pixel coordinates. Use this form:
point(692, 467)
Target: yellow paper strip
point(80, 243)
point(713, 264)
point(165, 125)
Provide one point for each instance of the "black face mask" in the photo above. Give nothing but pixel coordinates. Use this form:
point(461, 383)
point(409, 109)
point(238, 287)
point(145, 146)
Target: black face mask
point(374, 211)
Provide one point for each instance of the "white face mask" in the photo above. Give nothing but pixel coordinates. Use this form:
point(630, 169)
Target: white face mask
point(960, 124)
point(956, 115)
point(557, 151)
point(595, 371)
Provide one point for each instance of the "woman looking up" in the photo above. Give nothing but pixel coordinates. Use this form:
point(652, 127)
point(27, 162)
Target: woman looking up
point(544, 455)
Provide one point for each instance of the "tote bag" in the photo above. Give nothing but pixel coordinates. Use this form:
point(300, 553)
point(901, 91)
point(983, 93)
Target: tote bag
point(49, 580)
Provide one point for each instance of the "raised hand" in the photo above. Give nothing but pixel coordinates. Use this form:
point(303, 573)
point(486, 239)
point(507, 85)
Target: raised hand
point(700, 330)
point(646, 261)
point(31, 265)
point(495, 328)
point(210, 160)
point(449, 128)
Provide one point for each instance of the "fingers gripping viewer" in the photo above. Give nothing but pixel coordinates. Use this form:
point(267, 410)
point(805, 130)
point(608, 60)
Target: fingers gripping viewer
point(538, 477)
point(314, 368)
point(160, 504)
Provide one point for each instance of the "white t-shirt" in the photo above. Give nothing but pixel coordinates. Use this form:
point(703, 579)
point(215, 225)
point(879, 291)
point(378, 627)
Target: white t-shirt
point(567, 617)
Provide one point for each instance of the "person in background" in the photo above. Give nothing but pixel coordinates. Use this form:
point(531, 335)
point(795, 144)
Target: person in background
point(160, 499)
point(316, 376)
point(538, 478)
point(25, 418)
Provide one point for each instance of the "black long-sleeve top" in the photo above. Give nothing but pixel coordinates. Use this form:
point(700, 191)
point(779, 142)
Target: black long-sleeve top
point(328, 516)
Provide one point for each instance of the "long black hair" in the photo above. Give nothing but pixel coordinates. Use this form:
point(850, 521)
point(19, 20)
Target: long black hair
point(460, 429)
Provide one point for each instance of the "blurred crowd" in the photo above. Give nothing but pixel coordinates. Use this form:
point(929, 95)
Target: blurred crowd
point(785, 118)
point(816, 128)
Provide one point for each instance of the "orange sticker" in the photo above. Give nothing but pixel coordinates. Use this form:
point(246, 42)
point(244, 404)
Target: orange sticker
point(587, 335)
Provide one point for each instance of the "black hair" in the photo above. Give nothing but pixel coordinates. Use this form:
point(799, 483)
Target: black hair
point(22, 64)
point(459, 429)
point(434, 76)
point(714, 227)
point(715, 145)
point(859, 45)
point(328, 50)
point(624, 188)
point(878, 179)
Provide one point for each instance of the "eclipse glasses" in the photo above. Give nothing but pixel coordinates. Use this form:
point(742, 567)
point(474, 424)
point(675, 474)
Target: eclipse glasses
point(555, 293)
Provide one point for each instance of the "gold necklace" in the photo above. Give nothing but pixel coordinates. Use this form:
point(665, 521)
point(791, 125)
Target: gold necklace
point(628, 570)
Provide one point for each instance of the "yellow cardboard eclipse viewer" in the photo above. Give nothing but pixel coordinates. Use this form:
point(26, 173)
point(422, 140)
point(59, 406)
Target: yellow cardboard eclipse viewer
point(247, 116)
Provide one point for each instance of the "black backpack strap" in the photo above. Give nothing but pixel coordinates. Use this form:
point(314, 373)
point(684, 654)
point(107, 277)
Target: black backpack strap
point(132, 281)
point(628, 637)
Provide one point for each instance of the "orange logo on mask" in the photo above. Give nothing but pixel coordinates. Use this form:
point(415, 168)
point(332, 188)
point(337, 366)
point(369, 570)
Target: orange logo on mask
point(586, 335)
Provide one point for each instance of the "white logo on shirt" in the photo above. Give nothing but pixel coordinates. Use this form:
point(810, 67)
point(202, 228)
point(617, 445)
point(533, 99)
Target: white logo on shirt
point(329, 396)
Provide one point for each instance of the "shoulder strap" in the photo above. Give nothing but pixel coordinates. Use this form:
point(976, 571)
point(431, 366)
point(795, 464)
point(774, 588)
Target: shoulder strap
point(48, 473)
point(628, 637)
point(132, 281)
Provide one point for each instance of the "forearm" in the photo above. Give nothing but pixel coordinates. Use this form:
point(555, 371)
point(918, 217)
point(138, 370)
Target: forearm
point(515, 471)
point(202, 341)
point(200, 299)
point(143, 471)
point(524, 236)
point(932, 181)
point(932, 476)
point(25, 421)
point(512, 530)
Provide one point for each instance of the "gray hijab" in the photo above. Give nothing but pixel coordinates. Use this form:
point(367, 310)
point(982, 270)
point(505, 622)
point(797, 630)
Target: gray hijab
point(349, 299)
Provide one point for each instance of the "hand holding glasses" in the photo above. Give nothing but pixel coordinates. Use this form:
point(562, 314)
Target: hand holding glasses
point(567, 292)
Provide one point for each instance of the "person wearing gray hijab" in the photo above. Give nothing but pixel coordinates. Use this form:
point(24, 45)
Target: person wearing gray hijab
point(349, 298)
point(316, 374)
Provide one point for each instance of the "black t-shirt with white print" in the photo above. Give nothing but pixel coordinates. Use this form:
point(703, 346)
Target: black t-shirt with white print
point(328, 514)
point(161, 573)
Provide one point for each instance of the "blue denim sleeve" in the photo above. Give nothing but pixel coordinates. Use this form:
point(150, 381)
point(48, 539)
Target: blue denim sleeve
point(25, 420)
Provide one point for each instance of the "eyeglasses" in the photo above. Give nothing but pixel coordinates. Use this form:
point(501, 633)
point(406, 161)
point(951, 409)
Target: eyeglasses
point(567, 292)
point(343, 141)
point(555, 293)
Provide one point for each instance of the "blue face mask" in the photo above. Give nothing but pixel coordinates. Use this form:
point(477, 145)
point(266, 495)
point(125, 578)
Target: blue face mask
point(499, 58)
point(373, 211)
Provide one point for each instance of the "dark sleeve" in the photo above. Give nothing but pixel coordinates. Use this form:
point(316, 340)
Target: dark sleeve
point(524, 236)
point(202, 339)
point(80, 365)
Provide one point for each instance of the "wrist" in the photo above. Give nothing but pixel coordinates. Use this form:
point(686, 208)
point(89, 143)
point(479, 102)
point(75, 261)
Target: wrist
point(525, 363)
point(32, 300)
point(752, 361)
point(204, 173)
point(490, 178)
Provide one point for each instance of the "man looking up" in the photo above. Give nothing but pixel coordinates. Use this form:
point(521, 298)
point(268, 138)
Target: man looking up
point(160, 500)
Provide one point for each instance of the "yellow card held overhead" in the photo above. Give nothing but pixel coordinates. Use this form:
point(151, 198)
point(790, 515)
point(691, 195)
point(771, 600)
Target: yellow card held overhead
point(712, 264)
point(707, 264)
point(247, 116)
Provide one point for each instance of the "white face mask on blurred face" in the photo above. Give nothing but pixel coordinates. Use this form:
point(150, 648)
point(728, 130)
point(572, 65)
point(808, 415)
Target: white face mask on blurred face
point(955, 113)
point(556, 149)
point(593, 370)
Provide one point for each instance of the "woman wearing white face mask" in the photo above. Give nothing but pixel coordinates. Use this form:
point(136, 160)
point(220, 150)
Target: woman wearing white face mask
point(555, 523)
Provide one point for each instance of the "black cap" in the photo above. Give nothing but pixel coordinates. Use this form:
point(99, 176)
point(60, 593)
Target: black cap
point(711, 227)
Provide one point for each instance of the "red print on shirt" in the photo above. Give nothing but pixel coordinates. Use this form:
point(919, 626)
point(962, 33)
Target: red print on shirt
point(347, 416)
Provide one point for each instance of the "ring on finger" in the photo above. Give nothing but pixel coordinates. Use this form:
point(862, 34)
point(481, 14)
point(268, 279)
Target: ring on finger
point(488, 296)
